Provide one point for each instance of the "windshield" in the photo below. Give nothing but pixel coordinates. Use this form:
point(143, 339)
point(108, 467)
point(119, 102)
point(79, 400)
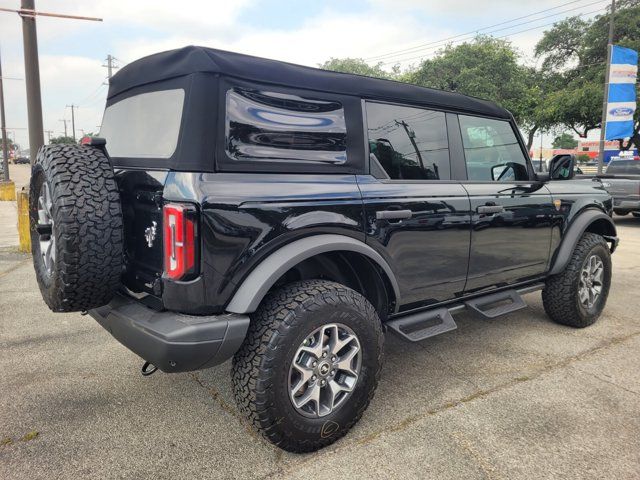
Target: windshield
point(145, 125)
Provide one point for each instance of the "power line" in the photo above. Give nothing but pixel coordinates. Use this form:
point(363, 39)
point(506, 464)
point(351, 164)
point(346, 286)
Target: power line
point(439, 43)
point(503, 36)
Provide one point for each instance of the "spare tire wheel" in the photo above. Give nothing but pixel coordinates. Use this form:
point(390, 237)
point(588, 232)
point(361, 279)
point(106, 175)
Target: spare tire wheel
point(76, 227)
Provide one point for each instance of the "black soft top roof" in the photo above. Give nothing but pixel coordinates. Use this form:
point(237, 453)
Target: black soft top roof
point(193, 59)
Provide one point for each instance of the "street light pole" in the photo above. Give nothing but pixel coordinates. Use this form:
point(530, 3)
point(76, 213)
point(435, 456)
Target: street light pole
point(32, 80)
point(603, 123)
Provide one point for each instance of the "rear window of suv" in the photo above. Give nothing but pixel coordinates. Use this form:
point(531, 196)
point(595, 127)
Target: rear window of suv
point(145, 125)
point(263, 126)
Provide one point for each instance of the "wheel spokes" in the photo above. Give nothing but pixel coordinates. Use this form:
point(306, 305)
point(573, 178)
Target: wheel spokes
point(324, 370)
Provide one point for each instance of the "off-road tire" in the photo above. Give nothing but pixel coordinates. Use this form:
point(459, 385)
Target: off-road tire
point(87, 219)
point(261, 367)
point(560, 294)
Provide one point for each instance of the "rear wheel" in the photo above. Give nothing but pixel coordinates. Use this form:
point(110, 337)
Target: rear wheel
point(577, 296)
point(76, 227)
point(309, 365)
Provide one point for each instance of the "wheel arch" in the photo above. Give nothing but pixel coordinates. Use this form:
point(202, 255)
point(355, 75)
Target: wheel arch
point(590, 220)
point(257, 284)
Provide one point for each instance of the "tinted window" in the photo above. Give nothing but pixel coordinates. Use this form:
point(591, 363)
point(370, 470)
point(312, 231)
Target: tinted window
point(492, 151)
point(145, 125)
point(279, 127)
point(407, 143)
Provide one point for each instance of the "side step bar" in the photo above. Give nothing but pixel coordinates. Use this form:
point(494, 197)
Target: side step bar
point(421, 325)
point(509, 300)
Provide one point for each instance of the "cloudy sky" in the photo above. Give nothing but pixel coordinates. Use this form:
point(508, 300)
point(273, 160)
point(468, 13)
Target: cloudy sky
point(308, 32)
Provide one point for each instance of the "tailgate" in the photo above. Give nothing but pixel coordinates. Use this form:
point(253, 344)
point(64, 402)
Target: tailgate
point(141, 195)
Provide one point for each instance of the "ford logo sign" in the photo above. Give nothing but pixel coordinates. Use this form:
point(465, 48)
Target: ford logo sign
point(621, 111)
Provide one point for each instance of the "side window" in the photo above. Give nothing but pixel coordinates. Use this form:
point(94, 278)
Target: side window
point(277, 127)
point(491, 150)
point(407, 143)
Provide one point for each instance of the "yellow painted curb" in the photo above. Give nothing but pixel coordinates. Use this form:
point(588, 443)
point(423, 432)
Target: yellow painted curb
point(23, 221)
point(8, 191)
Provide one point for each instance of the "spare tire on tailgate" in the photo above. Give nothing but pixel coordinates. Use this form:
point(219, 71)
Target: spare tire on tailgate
point(76, 227)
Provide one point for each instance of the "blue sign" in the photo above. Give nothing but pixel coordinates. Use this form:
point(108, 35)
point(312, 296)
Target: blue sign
point(621, 101)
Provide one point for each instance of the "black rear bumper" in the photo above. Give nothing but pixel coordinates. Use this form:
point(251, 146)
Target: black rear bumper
point(171, 341)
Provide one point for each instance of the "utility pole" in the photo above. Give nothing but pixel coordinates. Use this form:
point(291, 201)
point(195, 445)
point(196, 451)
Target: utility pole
point(111, 66)
point(65, 125)
point(73, 120)
point(5, 149)
point(48, 132)
point(32, 80)
point(603, 127)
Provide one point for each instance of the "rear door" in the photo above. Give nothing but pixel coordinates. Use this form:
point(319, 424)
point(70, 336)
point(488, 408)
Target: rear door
point(417, 217)
point(511, 212)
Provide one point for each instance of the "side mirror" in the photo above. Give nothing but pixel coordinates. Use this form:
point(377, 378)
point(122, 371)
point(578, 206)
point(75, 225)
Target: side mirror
point(562, 167)
point(502, 172)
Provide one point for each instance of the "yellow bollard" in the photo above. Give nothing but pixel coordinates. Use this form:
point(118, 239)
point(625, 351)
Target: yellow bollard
point(24, 234)
point(8, 191)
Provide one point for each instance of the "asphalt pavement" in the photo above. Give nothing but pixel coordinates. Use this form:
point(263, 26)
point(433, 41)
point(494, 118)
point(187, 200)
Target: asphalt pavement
point(509, 398)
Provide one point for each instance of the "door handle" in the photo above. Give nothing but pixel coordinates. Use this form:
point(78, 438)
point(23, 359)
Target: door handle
point(393, 214)
point(490, 209)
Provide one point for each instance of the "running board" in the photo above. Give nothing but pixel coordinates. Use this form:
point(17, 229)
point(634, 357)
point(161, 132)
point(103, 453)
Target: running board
point(509, 301)
point(421, 325)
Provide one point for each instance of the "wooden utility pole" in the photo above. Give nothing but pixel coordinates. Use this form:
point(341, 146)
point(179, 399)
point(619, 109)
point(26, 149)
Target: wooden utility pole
point(32, 80)
point(73, 120)
point(111, 66)
point(603, 122)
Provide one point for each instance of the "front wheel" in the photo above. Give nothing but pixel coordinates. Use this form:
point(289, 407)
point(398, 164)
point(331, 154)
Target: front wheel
point(309, 365)
point(577, 296)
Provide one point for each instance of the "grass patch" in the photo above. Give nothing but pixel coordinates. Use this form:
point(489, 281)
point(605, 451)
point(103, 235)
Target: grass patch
point(27, 437)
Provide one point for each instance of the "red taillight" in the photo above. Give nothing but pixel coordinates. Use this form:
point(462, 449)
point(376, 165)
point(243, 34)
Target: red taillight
point(180, 249)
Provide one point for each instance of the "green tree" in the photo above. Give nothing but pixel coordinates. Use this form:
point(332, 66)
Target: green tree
point(577, 49)
point(358, 66)
point(489, 68)
point(61, 140)
point(565, 140)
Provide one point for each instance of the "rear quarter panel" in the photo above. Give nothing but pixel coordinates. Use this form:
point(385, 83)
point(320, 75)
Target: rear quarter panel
point(245, 217)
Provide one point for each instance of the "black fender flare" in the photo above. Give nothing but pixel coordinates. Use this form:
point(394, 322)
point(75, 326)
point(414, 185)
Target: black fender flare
point(253, 288)
point(575, 230)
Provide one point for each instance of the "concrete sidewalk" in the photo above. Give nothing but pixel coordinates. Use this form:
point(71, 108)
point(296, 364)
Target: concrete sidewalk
point(517, 397)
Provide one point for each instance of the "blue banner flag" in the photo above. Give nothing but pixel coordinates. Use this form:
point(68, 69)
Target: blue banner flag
point(621, 102)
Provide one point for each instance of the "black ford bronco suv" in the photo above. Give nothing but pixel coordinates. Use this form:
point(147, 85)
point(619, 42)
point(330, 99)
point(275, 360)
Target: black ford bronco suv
point(285, 217)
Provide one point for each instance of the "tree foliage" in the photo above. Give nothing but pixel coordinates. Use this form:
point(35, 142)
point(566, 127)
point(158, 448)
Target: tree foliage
point(564, 140)
point(357, 66)
point(61, 140)
point(564, 92)
point(577, 50)
point(489, 68)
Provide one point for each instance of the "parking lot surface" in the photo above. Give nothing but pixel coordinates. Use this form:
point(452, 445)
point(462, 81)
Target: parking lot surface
point(514, 397)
